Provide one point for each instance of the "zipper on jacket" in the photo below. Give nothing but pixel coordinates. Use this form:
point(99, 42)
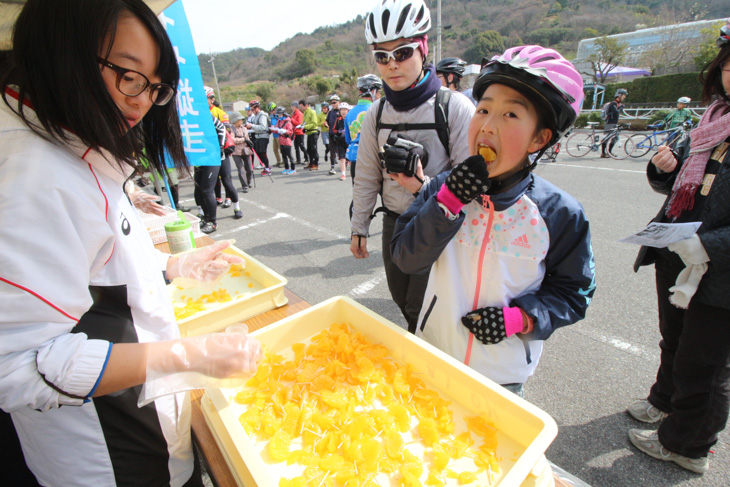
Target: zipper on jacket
point(489, 208)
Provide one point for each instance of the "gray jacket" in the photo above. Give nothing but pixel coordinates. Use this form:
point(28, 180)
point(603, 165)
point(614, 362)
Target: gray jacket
point(371, 177)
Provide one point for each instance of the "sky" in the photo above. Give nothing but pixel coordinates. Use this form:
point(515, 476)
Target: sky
point(224, 25)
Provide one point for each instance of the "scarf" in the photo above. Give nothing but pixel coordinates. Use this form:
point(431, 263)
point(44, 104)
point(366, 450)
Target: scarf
point(415, 96)
point(714, 127)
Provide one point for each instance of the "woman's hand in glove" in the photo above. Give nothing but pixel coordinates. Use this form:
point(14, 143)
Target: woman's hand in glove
point(204, 264)
point(465, 183)
point(228, 355)
point(147, 202)
point(491, 325)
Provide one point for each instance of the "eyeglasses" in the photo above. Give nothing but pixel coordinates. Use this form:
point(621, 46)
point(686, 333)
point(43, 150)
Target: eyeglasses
point(399, 54)
point(133, 83)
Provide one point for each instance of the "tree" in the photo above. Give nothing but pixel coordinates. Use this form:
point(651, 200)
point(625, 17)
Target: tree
point(265, 90)
point(609, 54)
point(706, 52)
point(305, 61)
point(485, 44)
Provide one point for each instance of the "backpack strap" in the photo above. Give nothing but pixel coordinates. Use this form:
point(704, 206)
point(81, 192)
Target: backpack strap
point(440, 124)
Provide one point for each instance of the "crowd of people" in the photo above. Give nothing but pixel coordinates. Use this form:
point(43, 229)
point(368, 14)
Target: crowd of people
point(484, 258)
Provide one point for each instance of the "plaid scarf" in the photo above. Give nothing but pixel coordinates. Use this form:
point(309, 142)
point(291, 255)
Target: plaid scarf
point(714, 127)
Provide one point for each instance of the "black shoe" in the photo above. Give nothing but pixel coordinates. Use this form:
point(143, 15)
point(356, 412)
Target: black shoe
point(237, 214)
point(184, 209)
point(219, 201)
point(244, 190)
point(605, 156)
point(209, 227)
point(227, 204)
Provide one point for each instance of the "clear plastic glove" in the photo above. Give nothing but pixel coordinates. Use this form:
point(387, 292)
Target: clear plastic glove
point(690, 250)
point(147, 202)
point(204, 264)
point(218, 360)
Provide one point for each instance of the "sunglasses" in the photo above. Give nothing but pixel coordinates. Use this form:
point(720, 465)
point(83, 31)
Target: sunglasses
point(399, 54)
point(133, 83)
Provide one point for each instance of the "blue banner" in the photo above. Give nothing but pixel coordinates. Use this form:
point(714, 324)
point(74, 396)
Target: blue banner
point(196, 123)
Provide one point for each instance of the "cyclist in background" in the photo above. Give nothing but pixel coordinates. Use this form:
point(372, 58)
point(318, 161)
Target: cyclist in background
point(615, 108)
point(450, 70)
point(680, 114)
point(274, 119)
point(370, 88)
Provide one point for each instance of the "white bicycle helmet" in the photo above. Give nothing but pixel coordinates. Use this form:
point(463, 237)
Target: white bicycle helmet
point(394, 19)
point(684, 100)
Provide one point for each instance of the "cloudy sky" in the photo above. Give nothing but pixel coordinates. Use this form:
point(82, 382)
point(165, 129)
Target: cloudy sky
point(223, 25)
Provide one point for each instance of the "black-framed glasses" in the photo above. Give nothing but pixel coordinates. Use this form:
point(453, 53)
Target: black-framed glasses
point(399, 54)
point(133, 83)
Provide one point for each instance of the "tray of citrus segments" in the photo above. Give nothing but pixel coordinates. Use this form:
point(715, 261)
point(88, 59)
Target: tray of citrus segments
point(344, 397)
point(244, 291)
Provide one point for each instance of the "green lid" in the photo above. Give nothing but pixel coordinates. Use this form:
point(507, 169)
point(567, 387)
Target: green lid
point(177, 226)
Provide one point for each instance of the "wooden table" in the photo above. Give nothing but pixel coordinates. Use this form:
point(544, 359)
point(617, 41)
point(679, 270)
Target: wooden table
point(218, 470)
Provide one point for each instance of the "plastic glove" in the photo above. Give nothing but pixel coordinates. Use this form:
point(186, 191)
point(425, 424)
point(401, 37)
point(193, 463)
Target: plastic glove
point(147, 202)
point(491, 325)
point(218, 360)
point(204, 264)
point(690, 250)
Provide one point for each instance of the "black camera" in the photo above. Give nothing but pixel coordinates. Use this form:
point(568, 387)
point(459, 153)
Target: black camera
point(401, 155)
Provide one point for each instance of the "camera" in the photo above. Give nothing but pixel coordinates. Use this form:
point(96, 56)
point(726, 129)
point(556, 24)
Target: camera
point(401, 155)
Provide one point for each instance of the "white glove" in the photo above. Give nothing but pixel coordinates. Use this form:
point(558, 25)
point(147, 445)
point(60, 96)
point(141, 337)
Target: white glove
point(690, 250)
point(282, 131)
point(209, 361)
point(204, 264)
point(299, 126)
point(147, 202)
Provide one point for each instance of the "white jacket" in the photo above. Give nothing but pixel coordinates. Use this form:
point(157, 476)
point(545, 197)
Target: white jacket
point(80, 233)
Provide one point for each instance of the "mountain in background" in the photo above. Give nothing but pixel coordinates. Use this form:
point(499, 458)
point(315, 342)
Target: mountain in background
point(470, 28)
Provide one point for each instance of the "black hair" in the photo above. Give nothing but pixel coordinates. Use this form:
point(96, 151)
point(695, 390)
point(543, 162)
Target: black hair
point(711, 77)
point(54, 64)
point(303, 102)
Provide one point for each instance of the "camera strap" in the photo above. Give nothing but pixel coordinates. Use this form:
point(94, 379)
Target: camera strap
point(440, 124)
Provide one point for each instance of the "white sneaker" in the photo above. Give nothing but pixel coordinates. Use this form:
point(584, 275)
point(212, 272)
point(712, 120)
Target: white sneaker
point(332, 171)
point(648, 442)
point(643, 410)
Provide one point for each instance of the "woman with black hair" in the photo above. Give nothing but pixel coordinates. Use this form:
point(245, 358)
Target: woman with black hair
point(86, 320)
point(691, 395)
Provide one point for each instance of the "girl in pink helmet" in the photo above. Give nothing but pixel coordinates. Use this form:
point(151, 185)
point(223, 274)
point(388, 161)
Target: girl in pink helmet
point(508, 254)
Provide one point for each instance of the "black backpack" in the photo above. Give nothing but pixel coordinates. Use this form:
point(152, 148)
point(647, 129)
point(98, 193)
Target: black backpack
point(440, 125)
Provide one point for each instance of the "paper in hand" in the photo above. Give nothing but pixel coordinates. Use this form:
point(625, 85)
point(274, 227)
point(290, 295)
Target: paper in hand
point(662, 234)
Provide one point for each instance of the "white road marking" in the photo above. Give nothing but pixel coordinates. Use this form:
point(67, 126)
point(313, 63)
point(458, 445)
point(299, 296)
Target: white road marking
point(590, 167)
point(627, 347)
point(367, 286)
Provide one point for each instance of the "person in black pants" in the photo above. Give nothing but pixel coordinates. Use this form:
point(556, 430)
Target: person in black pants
point(613, 111)
point(259, 127)
point(297, 119)
point(690, 398)
point(205, 178)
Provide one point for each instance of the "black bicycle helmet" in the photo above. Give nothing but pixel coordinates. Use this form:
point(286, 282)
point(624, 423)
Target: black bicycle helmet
point(452, 65)
point(620, 92)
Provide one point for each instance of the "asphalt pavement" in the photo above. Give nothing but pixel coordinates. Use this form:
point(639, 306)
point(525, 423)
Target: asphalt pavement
point(298, 225)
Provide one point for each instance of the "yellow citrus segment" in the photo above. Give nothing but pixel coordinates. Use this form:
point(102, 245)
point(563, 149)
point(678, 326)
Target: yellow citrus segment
point(345, 413)
point(488, 154)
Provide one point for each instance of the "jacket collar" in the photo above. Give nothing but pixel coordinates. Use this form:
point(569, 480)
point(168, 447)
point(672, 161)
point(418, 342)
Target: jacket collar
point(101, 161)
point(509, 197)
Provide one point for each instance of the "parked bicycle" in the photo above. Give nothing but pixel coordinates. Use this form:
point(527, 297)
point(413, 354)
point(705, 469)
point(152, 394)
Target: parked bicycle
point(551, 154)
point(639, 144)
point(581, 143)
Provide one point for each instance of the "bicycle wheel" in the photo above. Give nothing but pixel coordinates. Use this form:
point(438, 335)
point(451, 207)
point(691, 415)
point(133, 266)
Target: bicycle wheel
point(579, 145)
point(637, 145)
point(618, 151)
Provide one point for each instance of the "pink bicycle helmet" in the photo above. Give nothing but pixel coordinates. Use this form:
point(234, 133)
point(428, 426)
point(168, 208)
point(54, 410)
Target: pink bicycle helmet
point(537, 71)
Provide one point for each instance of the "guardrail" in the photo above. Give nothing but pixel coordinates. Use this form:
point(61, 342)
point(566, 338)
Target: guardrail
point(645, 113)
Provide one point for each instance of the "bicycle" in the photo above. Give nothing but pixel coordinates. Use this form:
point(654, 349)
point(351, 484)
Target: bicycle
point(639, 144)
point(551, 154)
point(581, 143)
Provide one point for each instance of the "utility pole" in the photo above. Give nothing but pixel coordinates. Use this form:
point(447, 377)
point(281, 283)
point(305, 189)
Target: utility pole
point(215, 77)
point(438, 32)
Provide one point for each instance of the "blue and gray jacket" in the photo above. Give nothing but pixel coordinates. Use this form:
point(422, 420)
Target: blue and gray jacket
point(529, 247)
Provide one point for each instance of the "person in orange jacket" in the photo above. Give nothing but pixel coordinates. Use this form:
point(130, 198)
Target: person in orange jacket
point(297, 120)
